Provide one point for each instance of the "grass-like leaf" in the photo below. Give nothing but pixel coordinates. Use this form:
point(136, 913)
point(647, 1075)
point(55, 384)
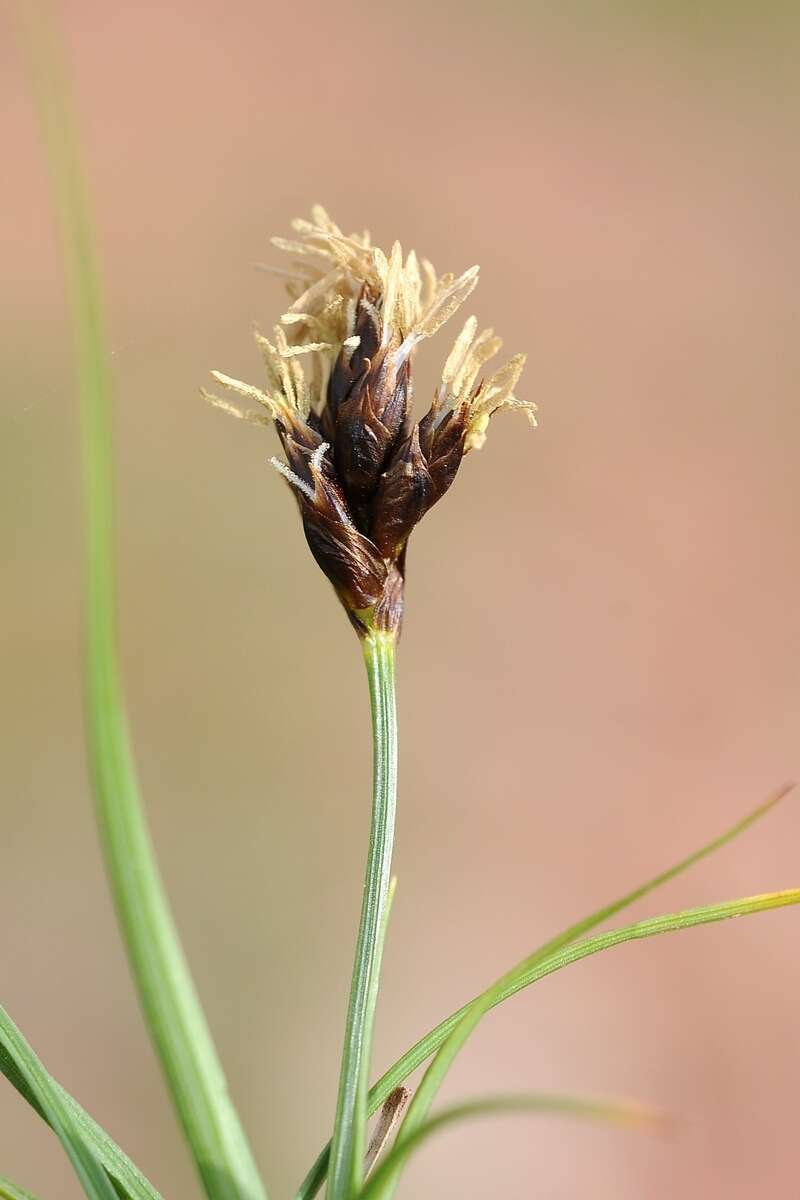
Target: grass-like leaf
point(518, 977)
point(128, 1180)
point(617, 1112)
point(530, 973)
point(94, 1180)
point(172, 1009)
point(689, 918)
point(388, 1173)
point(428, 1044)
point(537, 967)
point(10, 1191)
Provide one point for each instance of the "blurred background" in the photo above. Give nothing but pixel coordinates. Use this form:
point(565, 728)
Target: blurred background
point(600, 666)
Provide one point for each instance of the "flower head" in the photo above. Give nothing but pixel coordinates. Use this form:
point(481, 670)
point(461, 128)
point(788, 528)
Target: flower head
point(338, 390)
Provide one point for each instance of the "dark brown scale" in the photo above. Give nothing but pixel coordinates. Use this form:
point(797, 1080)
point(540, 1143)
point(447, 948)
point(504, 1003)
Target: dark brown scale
point(447, 450)
point(351, 366)
point(377, 480)
point(349, 559)
point(422, 469)
point(368, 423)
point(404, 494)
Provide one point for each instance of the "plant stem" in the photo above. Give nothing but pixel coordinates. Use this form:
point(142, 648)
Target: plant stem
point(349, 1131)
point(171, 1007)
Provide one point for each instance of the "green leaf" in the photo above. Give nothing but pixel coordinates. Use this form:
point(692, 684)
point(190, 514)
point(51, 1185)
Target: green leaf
point(428, 1044)
point(94, 1180)
point(388, 1174)
point(513, 980)
point(617, 1112)
point(9, 1191)
point(166, 990)
point(537, 967)
point(534, 970)
point(128, 1180)
point(706, 914)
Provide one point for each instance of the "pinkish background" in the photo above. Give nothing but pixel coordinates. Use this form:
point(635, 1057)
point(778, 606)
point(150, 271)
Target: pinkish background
point(600, 662)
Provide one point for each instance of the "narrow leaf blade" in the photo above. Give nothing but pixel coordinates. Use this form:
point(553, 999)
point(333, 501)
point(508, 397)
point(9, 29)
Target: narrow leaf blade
point(706, 914)
point(9, 1191)
point(171, 1006)
point(128, 1180)
point(427, 1045)
point(93, 1178)
point(511, 982)
point(671, 922)
point(614, 1111)
point(432, 1080)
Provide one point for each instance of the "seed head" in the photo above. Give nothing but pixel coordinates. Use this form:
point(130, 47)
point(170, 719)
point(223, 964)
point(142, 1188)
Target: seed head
point(339, 393)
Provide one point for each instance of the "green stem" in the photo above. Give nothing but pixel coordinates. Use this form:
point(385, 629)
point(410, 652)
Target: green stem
point(349, 1132)
point(166, 991)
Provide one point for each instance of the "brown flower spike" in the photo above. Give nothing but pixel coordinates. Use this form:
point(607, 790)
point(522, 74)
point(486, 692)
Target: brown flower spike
point(364, 474)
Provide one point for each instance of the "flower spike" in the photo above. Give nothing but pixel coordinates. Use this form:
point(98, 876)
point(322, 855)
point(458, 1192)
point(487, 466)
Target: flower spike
point(339, 392)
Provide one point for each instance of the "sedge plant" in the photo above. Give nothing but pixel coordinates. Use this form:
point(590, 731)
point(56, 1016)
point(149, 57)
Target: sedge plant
point(338, 390)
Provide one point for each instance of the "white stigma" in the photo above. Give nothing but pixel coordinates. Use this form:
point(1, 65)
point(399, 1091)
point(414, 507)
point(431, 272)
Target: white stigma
point(318, 455)
point(295, 480)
